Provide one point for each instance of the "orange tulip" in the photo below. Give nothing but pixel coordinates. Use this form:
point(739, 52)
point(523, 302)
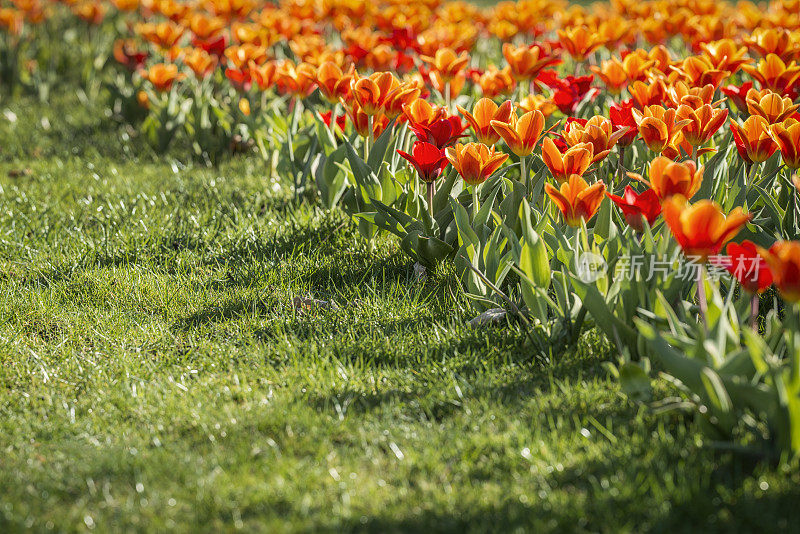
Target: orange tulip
point(163, 76)
point(783, 259)
point(398, 98)
point(658, 126)
point(422, 112)
point(644, 94)
point(575, 160)
point(699, 71)
point(484, 112)
point(333, 84)
point(579, 41)
point(297, 80)
point(370, 92)
point(669, 178)
point(520, 134)
point(702, 229)
point(494, 82)
point(773, 73)
point(752, 139)
point(725, 54)
point(526, 62)
point(474, 162)
point(361, 121)
point(770, 105)
point(241, 55)
point(597, 131)
point(680, 148)
point(680, 93)
point(703, 123)
point(201, 62)
point(164, 35)
point(538, 102)
point(576, 199)
point(776, 41)
point(446, 63)
point(613, 75)
point(787, 136)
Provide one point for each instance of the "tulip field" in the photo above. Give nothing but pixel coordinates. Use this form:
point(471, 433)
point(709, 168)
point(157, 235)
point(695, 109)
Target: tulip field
point(403, 265)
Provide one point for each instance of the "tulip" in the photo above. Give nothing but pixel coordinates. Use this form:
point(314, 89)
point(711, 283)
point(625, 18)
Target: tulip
point(520, 134)
point(441, 133)
point(127, 54)
point(572, 90)
point(334, 85)
point(658, 126)
point(701, 229)
point(753, 140)
point(422, 112)
point(371, 92)
point(621, 115)
point(725, 54)
point(597, 131)
point(770, 105)
point(774, 74)
point(748, 267)
point(579, 41)
point(613, 75)
point(703, 123)
point(637, 208)
point(527, 61)
point(297, 80)
point(644, 95)
point(787, 138)
point(576, 199)
point(538, 103)
point(484, 112)
point(575, 160)
point(162, 76)
point(775, 41)
point(783, 259)
point(164, 35)
point(201, 62)
point(669, 178)
point(398, 98)
point(738, 94)
point(263, 75)
point(427, 159)
point(695, 97)
point(475, 162)
point(699, 71)
point(241, 55)
point(446, 63)
point(495, 82)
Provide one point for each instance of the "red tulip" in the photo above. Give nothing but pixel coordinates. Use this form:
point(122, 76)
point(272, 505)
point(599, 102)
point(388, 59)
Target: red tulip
point(441, 133)
point(638, 207)
point(622, 117)
point(747, 266)
point(427, 159)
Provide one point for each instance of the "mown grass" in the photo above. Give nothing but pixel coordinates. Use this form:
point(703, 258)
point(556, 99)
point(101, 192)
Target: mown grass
point(154, 373)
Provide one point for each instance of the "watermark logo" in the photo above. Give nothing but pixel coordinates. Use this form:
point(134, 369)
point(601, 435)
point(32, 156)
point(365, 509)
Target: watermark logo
point(591, 267)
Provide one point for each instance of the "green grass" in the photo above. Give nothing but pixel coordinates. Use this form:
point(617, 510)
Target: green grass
point(154, 373)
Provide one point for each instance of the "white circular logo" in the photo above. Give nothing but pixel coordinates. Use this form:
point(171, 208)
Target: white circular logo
point(590, 267)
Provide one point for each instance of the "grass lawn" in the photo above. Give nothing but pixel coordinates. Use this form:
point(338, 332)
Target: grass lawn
point(154, 373)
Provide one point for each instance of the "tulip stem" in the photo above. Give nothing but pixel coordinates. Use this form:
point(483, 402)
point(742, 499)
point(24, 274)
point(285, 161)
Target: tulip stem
point(431, 192)
point(475, 202)
point(370, 138)
point(754, 303)
point(620, 166)
point(447, 96)
point(701, 295)
point(523, 172)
